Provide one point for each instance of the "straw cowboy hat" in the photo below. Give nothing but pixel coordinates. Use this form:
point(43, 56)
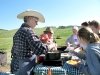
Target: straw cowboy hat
point(31, 13)
point(49, 29)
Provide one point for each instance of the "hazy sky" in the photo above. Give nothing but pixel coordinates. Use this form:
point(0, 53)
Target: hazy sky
point(56, 12)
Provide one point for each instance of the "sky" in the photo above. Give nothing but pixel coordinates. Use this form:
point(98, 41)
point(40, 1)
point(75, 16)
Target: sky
point(56, 12)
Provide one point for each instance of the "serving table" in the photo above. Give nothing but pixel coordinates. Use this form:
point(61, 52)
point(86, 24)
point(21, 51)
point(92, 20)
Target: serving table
point(65, 69)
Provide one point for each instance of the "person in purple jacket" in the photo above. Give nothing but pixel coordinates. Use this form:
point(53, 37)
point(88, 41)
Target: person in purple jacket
point(91, 44)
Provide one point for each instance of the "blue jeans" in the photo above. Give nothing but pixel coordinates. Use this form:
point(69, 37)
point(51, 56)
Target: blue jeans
point(26, 66)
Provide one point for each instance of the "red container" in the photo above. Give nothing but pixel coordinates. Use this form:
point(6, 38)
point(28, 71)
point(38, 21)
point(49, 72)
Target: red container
point(40, 59)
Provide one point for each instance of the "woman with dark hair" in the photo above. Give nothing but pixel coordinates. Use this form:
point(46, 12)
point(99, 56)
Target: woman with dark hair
point(91, 44)
point(95, 26)
point(85, 24)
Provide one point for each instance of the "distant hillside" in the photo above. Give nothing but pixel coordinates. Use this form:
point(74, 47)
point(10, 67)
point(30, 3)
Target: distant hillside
point(2, 30)
point(7, 33)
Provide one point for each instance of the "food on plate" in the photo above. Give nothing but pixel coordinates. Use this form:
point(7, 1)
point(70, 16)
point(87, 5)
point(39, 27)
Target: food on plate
point(73, 62)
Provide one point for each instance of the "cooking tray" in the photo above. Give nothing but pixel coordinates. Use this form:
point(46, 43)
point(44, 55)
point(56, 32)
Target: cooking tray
point(52, 63)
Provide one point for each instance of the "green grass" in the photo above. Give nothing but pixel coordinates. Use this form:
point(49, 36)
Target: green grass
point(7, 35)
point(5, 43)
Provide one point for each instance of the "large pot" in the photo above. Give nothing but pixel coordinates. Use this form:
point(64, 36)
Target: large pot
point(53, 56)
point(61, 48)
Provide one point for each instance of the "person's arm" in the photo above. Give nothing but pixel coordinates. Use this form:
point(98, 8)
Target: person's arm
point(35, 44)
point(80, 54)
point(93, 56)
point(97, 52)
point(84, 68)
point(93, 63)
point(69, 41)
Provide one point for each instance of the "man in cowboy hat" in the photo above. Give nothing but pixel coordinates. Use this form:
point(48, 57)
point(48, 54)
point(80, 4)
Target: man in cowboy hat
point(26, 44)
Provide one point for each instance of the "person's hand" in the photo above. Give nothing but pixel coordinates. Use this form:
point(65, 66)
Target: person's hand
point(53, 49)
point(69, 44)
point(44, 38)
point(77, 49)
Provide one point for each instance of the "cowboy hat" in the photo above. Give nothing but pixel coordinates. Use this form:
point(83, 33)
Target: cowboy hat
point(31, 13)
point(49, 29)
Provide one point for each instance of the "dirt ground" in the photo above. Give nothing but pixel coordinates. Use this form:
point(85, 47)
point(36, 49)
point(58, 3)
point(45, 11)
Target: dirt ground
point(5, 68)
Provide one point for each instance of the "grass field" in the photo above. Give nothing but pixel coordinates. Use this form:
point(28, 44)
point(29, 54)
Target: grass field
point(7, 35)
